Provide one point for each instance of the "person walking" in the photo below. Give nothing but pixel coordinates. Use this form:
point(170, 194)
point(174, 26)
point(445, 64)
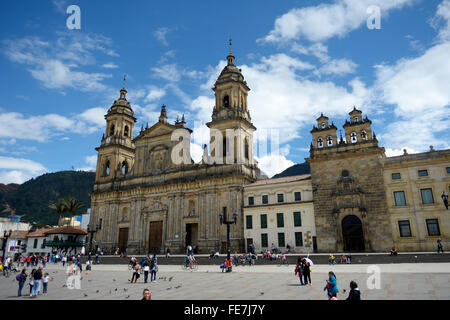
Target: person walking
point(307, 272)
point(299, 270)
point(37, 282)
point(440, 248)
point(31, 283)
point(154, 270)
point(354, 293)
point(21, 278)
point(331, 286)
point(146, 270)
point(136, 274)
point(45, 280)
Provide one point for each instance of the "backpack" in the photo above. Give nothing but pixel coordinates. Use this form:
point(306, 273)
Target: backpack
point(18, 277)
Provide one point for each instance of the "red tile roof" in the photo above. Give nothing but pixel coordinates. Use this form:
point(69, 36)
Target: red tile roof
point(38, 233)
point(67, 230)
point(19, 234)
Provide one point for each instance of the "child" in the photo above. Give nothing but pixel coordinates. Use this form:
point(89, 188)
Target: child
point(299, 271)
point(31, 283)
point(45, 280)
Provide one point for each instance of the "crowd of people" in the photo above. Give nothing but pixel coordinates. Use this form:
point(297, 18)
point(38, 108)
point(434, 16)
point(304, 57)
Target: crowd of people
point(147, 265)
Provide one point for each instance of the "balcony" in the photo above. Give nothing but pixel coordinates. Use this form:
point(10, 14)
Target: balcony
point(65, 243)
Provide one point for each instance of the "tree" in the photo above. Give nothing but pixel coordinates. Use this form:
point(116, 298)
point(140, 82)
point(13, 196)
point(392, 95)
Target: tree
point(60, 208)
point(72, 205)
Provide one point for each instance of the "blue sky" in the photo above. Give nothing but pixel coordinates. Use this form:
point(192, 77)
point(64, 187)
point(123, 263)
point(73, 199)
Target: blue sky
point(300, 58)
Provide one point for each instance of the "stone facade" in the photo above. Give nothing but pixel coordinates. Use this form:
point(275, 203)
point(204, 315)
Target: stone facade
point(146, 201)
point(414, 186)
point(347, 178)
point(299, 234)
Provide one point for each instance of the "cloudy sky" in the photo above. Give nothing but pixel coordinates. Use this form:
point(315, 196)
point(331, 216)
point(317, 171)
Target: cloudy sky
point(300, 59)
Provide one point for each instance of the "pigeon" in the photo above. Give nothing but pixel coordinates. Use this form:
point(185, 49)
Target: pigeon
point(109, 291)
point(169, 288)
point(125, 290)
point(115, 289)
point(114, 279)
point(97, 291)
point(64, 286)
point(261, 293)
point(177, 287)
point(127, 297)
point(85, 295)
point(89, 280)
point(170, 279)
point(81, 278)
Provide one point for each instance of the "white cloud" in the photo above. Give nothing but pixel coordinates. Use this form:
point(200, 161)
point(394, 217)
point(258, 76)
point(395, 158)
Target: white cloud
point(321, 22)
point(160, 34)
point(337, 67)
point(155, 93)
point(110, 65)
point(273, 164)
point(17, 170)
point(398, 152)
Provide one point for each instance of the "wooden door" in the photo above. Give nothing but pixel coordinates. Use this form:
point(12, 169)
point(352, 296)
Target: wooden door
point(123, 239)
point(155, 238)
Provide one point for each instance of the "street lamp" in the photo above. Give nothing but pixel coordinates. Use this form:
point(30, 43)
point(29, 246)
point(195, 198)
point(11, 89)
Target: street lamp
point(444, 197)
point(224, 220)
point(6, 235)
point(91, 230)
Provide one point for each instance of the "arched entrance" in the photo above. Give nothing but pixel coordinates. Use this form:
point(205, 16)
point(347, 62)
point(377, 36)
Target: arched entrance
point(352, 234)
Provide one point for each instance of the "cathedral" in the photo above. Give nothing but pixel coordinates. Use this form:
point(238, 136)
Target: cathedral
point(145, 201)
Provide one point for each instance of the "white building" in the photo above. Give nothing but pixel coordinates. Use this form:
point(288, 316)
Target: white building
point(16, 242)
point(36, 242)
point(280, 211)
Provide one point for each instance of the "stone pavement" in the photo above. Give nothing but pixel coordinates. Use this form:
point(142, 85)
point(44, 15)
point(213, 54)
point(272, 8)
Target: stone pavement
point(106, 282)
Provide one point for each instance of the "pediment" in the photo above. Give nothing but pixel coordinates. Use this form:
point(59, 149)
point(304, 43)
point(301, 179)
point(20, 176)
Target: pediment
point(158, 129)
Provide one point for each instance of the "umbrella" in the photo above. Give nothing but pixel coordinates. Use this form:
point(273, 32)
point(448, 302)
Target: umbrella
point(310, 261)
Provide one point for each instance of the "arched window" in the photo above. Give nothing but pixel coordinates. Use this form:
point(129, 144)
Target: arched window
point(107, 168)
point(353, 137)
point(125, 131)
point(345, 173)
point(226, 101)
point(364, 135)
point(124, 168)
point(329, 141)
point(246, 150)
point(111, 130)
point(323, 125)
point(355, 119)
point(320, 142)
point(124, 214)
point(224, 146)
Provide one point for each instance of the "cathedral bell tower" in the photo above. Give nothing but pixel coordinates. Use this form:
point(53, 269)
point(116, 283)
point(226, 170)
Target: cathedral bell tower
point(117, 150)
point(231, 115)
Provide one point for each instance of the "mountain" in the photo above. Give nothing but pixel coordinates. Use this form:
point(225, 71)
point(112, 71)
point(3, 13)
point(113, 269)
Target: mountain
point(295, 170)
point(31, 199)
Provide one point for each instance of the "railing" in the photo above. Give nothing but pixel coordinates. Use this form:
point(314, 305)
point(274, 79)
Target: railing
point(65, 243)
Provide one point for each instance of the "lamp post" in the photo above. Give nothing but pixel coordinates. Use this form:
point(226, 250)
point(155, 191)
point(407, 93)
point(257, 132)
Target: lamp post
point(444, 197)
point(91, 230)
point(6, 235)
point(224, 220)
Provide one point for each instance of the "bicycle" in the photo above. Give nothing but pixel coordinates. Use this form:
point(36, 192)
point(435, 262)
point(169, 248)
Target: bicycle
point(193, 265)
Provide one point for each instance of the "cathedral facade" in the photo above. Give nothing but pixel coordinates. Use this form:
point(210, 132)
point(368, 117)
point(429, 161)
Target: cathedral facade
point(145, 200)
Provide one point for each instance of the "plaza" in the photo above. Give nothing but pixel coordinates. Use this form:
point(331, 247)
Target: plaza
point(403, 281)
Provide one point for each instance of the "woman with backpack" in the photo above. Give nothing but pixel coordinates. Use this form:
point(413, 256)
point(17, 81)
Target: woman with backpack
point(21, 278)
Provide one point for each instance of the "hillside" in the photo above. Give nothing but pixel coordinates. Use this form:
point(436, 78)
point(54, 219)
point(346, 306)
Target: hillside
point(295, 170)
point(31, 198)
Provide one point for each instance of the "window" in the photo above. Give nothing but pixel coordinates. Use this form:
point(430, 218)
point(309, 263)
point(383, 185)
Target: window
point(125, 131)
point(124, 168)
point(399, 197)
point(405, 229)
point(355, 119)
point(423, 173)
point(226, 101)
point(281, 243)
point(396, 176)
point(43, 244)
point(353, 137)
point(427, 196)
point(447, 169)
point(320, 143)
point(323, 125)
point(265, 199)
point(298, 239)
point(264, 221)
point(297, 219)
point(280, 220)
point(111, 130)
point(249, 220)
point(264, 240)
point(107, 168)
point(280, 197)
point(330, 141)
point(364, 135)
point(246, 149)
point(251, 201)
point(100, 223)
point(297, 196)
point(35, 243)
point(433, 227)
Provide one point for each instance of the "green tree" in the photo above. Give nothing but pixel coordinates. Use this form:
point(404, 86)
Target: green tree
point(60, 208)
point(72, 206)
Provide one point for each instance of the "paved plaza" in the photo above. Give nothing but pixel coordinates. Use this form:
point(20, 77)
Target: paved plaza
point(428, 281)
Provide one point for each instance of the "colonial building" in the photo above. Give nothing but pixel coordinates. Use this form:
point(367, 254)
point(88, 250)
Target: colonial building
point(280, 211)
point(347, 178)
point(414, 185)
point(146, 200)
